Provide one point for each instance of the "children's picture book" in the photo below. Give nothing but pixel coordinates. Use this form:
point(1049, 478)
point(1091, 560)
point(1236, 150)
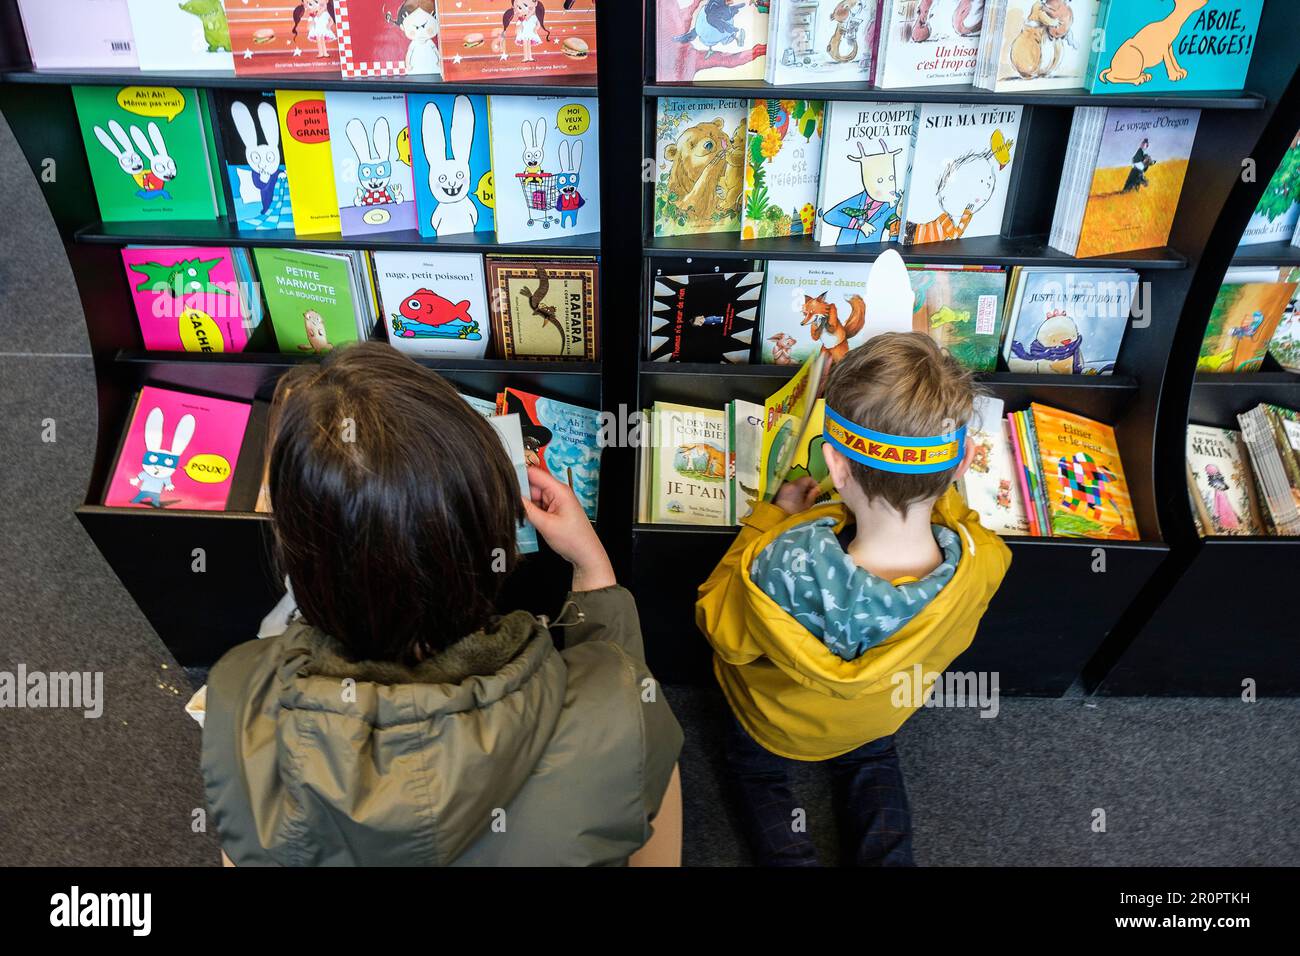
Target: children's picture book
point(305, 133)
point(538, 145)
point(961, 309)
point(928, 42)
point(689, 475)
point(191, 299)
point(1284, 347)
point(822, 41)
point(1035, 44)
point(388, 38)
point(543, 308)
point(1123, 181)
point(516, 39)
point(1084, 489)
point(1068, 323)
point(1173, 46)
point(820, 307)
point(283, 36)
point(149, 153)
point(512, 437)
point(176, 35)
point(962, 159)
point(1219, 467)
point(708, 318)
point(1272, 437)
point(745, 439)
point(710, 40)
point(372, 162)
point(1278, 213)
point(990, 485)
point(179, 452)
point(866, 159)
point(793, 419)
point(451, 159)
point(1242, 323)
point(560, 438)
point(79, 34)
point(310, 297)
point(449, 322)
point(255, 180)
point(783, 156)
point(699, 165)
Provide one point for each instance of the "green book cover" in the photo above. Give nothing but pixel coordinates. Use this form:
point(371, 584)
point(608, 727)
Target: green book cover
point(309, 298)
point(214, 160)
point(147, 152)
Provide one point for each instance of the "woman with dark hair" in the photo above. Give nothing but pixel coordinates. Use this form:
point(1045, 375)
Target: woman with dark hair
point(394, 717)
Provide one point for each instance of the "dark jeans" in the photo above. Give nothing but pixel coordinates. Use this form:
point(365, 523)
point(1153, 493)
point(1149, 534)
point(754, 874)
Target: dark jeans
point(870, 804)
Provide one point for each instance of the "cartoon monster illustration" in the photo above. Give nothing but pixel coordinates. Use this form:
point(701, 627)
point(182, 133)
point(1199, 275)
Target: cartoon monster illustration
point(1152, 44)
point(318, 341)
point(1036, 51)
point(544, 311)
point(782, 348)
point(427, 315)
point(212, 14)
point(867, 216)
point(160, 463)
point(965, 187)
point(181, 278)
point(823, 319)
point(714, 25)
point(320, 23)
point(1057, 348)
point(418, 21)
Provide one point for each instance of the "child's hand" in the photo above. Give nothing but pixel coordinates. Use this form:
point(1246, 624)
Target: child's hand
point(559, 518)
point(797, 496)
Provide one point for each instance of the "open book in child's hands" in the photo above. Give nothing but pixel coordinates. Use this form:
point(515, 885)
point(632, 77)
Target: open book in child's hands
point(793, 417)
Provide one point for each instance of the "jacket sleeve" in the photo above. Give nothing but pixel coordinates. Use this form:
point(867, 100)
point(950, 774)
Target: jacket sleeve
point(722, 598)
point(608, 614)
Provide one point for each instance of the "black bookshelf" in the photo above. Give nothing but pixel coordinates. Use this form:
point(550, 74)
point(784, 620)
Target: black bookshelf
point(200, 616)
point(1056, 615)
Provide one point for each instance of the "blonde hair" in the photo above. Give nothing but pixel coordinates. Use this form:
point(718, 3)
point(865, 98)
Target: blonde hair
point(901, 383)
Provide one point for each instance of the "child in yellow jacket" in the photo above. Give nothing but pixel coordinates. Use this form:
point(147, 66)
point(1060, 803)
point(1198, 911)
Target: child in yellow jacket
point(819, 615)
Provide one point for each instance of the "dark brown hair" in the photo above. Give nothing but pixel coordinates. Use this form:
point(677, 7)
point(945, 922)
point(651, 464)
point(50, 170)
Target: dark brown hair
point(901, 383)
point(394, 504)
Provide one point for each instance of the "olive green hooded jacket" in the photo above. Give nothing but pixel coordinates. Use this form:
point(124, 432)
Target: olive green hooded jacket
point(501, 750)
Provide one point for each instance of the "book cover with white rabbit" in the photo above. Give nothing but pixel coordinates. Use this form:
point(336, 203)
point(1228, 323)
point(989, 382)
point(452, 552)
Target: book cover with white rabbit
point(181, 36)
point(148, 152)
point(434, 304)
point(179, 452)
point(547, 188)
point(962, 158)
point(388, 37)
point(867, 154)
point(929, 42)
point(256, 180)
point(371, 146)
point(451, 158)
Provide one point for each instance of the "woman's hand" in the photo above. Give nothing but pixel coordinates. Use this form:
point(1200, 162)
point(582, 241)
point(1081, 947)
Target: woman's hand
point(560, 519)
point(797, 496)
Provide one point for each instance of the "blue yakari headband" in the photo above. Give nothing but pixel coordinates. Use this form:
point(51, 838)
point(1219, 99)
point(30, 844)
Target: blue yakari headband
point(898, 453)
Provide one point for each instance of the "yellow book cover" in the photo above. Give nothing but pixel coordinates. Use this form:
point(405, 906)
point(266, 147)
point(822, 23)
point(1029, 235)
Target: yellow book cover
point(787, 423)
point(305, 132)
point(1083, 478)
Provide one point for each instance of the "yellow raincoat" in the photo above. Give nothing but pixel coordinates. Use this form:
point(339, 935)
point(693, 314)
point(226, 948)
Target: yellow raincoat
point(788, 690)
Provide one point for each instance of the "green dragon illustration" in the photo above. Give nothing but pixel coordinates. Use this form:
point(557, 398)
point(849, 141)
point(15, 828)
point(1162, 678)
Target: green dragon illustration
point(213, 16)
point(181, 278)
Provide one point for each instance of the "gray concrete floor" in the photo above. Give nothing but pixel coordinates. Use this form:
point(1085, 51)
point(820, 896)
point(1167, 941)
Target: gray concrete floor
point(1209, 782)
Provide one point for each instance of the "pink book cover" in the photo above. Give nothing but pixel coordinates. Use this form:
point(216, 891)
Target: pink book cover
point(1030, 510)
point(72, 34)
point(187, 299)
point(180, 452)
point(283, 36)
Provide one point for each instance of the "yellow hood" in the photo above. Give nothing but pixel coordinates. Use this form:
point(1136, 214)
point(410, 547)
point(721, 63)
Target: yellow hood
point(789, 691)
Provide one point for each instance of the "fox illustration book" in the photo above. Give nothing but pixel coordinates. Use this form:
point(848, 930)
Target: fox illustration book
point(962, 158)
point(149, 152)
point(783, 155)
point(866, 159)
point(179, 452)
point(700, 165)
point(543, 308)
point(709, 317)
point(372, 162)
point(433, 303)
point(283, 36)
point(256, 181)
point(515, 39)
point(711, 39)
point(451, 159)
point(191, 299)
point(538, 146)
